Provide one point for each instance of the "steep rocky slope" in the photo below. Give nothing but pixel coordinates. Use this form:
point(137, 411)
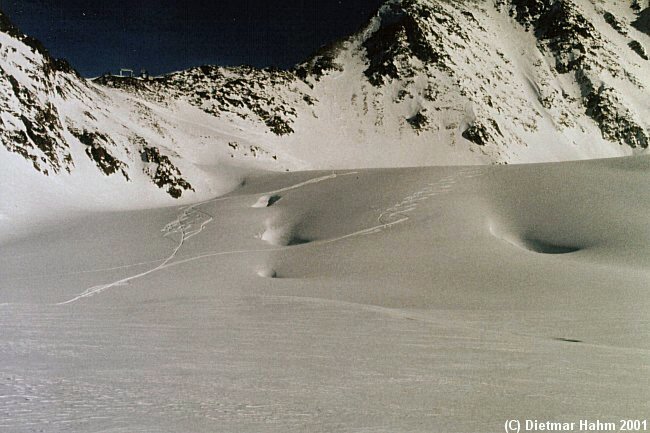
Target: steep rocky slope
point(30, 81)
point(425, 82)
point(57, 121)
point(517, 81)
point(436, 82)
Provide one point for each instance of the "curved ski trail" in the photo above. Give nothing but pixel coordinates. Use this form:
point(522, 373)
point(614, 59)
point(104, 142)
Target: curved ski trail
point(193, 221)
point(441, 187)
point(190, 223)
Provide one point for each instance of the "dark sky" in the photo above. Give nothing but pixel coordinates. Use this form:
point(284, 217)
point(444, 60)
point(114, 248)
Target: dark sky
point(167, 35)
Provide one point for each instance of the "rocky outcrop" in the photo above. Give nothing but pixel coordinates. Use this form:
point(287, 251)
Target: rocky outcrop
point(404, 34)
point(97, 149)
point(163, 172)
point(616, 122)
point(246, 92)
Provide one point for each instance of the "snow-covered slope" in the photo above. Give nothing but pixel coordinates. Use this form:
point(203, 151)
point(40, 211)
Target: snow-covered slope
point(422, 299)
point(436, 299)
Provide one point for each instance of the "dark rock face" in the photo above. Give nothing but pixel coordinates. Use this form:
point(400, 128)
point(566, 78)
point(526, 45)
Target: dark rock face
point(579, 48)
point(6, 26)
point(51, 64)
point(97, 145)
point(163, 172)
point(38, 135)
point(615, 23)
point(557, 24)
point(322, 62)
point(129, 84)
point(615, 121)
point(639, 49)
point(402, 35)
point(642, 23)
point(482, 133)
point(244, 91)
point(419, 121)
point(36, 132)
point(527, 11)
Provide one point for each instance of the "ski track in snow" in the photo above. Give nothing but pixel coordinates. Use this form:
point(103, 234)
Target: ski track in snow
point(193, 221)
point(397, 213)
point(410, 203)
point(311, 181)
point(190, 223)
point(89, 271)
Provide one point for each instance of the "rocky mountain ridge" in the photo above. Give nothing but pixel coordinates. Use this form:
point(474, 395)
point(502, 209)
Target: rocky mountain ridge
point(425, 82)
point(48, 110)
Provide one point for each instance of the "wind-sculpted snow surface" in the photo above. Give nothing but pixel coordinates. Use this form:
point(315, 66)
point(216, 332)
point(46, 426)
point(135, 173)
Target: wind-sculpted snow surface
point(191, 222)
point(458, 297)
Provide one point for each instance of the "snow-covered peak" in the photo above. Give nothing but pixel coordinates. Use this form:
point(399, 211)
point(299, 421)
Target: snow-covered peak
point(516, 66)
point(424, 82)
